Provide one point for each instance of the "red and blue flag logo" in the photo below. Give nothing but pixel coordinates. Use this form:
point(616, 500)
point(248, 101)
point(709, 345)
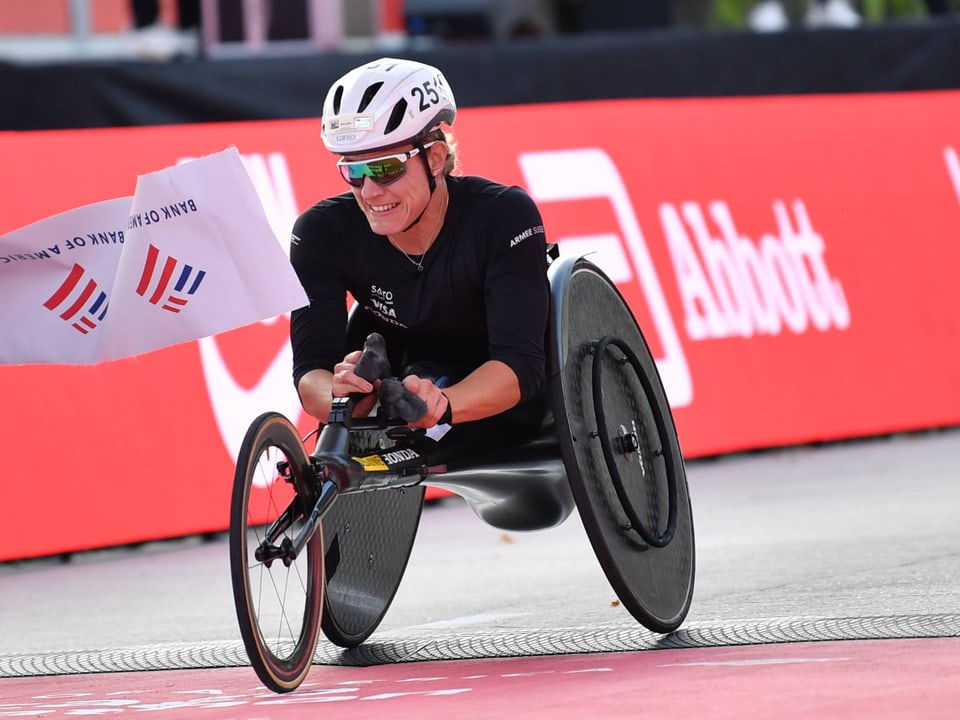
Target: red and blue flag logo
point(79, 301)
point(169, 284)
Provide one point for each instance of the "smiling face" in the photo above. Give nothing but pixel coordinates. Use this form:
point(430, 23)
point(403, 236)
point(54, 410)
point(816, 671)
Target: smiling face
point(390, 209)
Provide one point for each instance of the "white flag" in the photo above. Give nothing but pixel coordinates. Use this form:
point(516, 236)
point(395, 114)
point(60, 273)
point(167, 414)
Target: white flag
point(191, 254)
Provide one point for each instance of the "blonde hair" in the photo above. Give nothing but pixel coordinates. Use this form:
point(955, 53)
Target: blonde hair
point(446, 138)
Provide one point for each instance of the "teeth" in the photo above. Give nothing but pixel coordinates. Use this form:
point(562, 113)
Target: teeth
point(383, 208)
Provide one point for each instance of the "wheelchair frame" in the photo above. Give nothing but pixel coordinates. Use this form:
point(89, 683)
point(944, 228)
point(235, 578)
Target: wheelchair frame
point(337, 526)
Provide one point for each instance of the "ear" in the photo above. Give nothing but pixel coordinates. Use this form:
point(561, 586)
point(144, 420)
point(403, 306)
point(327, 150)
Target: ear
point(438, 158)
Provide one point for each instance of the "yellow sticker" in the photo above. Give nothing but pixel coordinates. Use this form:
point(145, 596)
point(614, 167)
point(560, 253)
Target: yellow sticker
point(372, 462)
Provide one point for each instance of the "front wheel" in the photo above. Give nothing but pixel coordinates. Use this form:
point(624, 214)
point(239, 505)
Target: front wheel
point(279, 601)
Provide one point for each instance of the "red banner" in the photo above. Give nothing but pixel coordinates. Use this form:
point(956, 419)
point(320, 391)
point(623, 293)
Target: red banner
point(790, 259)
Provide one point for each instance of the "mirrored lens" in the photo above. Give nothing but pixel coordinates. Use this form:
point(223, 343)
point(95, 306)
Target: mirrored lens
point(381, 170)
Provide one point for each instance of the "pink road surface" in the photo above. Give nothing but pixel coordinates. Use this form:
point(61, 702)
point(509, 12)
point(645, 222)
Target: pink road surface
point(879, 680)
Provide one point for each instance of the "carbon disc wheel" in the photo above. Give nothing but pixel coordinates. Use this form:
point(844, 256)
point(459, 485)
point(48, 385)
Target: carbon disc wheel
point(620, 448)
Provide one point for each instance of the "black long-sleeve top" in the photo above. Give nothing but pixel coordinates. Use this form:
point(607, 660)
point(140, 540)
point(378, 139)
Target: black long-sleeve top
point(482, 293)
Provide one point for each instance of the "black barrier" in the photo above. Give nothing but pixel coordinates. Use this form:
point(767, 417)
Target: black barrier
point(589, 66)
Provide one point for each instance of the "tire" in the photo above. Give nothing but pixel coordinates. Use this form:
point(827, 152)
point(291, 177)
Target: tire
point(278, 605)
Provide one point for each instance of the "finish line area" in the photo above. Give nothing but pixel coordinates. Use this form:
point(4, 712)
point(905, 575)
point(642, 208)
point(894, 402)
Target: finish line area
point(876, 679)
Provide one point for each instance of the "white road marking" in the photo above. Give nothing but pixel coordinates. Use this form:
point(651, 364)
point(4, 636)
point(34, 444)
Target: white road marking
point(454, 623)
point(749, 663)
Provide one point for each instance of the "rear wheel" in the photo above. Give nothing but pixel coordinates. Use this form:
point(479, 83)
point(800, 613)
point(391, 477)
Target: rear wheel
point(620, 448)
point(279, 600)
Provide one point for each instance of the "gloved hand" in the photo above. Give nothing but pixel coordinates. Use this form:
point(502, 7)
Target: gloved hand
point(396, 401)
point(373, 364)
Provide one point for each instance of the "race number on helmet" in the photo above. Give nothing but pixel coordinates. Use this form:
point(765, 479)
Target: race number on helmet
point(385, 103)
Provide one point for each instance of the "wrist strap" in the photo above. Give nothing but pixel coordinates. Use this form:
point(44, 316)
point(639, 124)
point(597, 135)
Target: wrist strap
point(447, 417)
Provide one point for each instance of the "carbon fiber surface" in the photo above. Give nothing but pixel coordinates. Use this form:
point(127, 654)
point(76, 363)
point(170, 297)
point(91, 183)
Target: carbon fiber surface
point(654, 584)
point(368, 538)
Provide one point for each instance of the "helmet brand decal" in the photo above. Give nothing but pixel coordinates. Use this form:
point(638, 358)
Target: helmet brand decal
point(348, 123)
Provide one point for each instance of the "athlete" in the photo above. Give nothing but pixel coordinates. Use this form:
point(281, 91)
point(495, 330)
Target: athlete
point(450, 270)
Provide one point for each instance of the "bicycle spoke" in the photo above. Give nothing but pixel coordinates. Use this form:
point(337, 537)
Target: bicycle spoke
point(279, 601)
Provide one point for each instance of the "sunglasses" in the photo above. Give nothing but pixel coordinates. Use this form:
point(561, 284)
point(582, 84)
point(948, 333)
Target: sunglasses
point(382, 170)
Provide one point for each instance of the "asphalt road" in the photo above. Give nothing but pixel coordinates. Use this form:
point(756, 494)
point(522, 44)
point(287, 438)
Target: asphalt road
point(855, 540)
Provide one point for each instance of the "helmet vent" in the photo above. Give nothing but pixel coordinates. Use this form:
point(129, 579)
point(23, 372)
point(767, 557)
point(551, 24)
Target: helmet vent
point(368, 96)
point(337, 99)
point(396, 117)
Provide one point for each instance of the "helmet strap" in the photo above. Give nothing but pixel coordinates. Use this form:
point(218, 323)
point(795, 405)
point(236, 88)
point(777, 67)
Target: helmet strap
point(430, 179)
point(426, 164)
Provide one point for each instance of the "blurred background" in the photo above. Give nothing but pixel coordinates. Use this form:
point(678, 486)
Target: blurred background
point(494, 51)
point(48, 30)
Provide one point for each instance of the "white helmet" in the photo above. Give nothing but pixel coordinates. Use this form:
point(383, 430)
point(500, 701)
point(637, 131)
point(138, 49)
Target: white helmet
point(385, 103)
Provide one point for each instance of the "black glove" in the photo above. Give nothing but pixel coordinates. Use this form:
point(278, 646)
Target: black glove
point(396, 402)
point(373, 363)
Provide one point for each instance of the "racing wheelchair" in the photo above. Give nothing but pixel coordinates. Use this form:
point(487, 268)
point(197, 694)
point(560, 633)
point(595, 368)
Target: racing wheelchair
point(321, 540)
